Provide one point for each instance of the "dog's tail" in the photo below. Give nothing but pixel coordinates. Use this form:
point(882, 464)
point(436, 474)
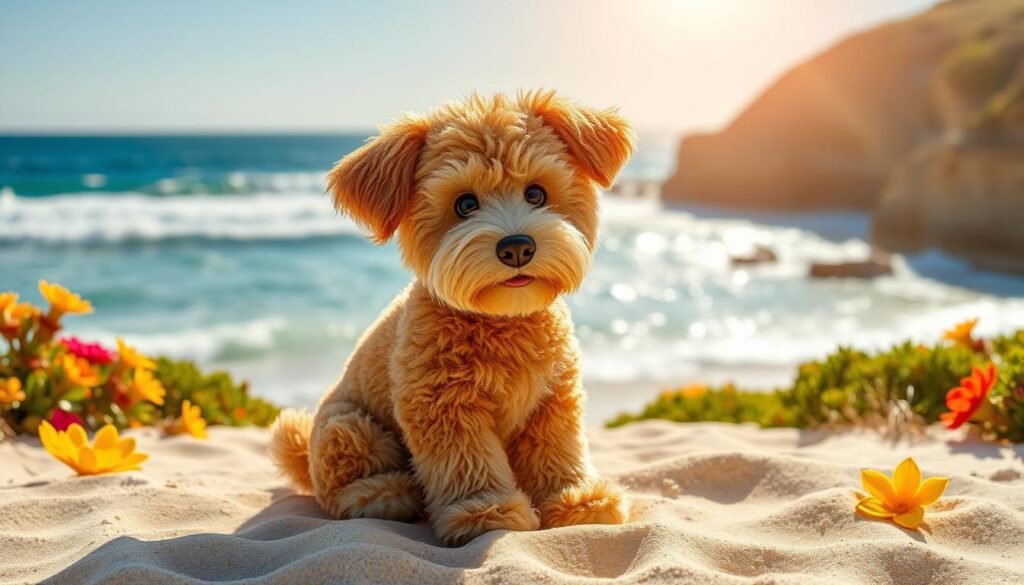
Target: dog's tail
point(289, 447)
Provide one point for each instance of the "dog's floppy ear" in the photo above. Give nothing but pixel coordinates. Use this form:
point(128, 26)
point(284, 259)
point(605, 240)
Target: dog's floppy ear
point(375, 183)
point(600, 141)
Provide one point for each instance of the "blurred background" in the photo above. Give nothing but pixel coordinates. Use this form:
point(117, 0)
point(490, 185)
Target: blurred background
point(810, 174)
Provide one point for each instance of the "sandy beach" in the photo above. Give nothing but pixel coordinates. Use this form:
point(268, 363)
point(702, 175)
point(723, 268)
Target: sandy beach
point(711, 503)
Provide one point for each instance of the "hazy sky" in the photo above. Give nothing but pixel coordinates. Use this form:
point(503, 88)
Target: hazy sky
point(252, 64)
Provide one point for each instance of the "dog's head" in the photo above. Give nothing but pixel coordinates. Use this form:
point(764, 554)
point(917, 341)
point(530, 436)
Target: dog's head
point(494, 200)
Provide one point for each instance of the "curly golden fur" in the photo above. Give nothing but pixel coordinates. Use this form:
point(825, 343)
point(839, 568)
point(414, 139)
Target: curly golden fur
point(463, 401)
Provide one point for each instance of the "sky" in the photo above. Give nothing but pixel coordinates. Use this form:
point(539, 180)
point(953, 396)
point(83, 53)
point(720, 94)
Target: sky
point(254, 65)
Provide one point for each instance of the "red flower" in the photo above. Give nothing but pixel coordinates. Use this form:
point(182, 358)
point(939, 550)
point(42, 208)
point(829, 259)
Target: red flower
point(93, 353)
point(62, 419)
point(964, 400)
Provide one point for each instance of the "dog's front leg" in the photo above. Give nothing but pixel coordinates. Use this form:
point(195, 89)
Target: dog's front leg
point(459, 461)
point(551, 462)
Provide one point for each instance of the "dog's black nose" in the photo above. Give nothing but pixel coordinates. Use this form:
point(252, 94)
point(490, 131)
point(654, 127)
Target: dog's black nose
point(516, 251)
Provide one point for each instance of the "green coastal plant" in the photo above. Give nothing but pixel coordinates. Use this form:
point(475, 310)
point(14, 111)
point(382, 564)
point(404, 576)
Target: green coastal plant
point(978, 68)
point(222, 400)
point(64, 381)
point(907, 385)
point(699, 403)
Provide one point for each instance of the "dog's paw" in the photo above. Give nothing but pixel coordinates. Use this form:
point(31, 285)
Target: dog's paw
point(594, 501)
point(463, 521)
point(388, 496)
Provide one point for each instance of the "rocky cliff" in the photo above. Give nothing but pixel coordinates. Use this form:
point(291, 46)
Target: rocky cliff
point(920, 121)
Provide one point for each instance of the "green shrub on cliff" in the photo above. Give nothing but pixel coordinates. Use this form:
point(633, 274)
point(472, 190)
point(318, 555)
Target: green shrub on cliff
point(977, 68)
point(1002, 110)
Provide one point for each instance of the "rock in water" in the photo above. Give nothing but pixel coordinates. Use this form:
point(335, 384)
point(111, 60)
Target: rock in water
point(877, 265)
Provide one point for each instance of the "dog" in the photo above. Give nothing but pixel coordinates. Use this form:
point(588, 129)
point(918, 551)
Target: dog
point(463, 400)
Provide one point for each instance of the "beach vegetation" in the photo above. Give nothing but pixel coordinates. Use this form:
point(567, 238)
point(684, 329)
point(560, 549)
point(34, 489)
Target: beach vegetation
point(56, 381)
point(961, 380)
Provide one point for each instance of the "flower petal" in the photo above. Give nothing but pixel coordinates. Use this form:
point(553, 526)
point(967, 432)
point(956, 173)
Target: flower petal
point(48, 436)
point(953, 420)
point(130, 463)
point(958, 398)
point(910, 520)
point(86, 462)
point(106, 438)
point(930, 490)
point(67, 451)
point(986, 377)
point(906, 479)
point(77, 435)
point(878, 485)
point(107, 459)
point(874, 507)
point(126, 446)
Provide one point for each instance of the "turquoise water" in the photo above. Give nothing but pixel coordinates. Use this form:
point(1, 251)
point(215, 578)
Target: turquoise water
point(225, 250)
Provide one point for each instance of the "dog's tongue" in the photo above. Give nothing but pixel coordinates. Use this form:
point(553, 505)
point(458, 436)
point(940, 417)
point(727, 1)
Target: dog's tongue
point(517, 281)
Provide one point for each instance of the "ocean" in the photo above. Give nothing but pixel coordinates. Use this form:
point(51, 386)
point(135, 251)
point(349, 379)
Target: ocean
point(225, 250)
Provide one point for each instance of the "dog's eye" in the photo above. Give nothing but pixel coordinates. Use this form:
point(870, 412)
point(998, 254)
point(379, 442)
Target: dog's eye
point(535, 195)
point(466, 204)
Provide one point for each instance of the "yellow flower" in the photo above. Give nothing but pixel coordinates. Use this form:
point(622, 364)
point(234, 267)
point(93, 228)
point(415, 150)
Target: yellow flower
point(79, 371)
point(191, 421)
point(903, 498)
point(62, 300)
point(108, 453)
point(132, 358)
point(961, 334)
point(145, 387)
point(10, 390)
point(12, 314)
point(693, 391)
point(7, 299)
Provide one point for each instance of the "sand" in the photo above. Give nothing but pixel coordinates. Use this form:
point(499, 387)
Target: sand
point(712, 503)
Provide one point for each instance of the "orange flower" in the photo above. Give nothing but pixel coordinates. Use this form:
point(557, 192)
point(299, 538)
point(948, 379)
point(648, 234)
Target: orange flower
point(62, 300)
point(191, 421)
point(693, 391)
point(79, 371)
point(965, 400)
point(962, 334)
point(145, 387)
point(10, 390)
point(132, 358)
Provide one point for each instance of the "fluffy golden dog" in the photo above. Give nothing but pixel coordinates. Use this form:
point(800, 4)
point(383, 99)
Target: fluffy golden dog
point(463, 400)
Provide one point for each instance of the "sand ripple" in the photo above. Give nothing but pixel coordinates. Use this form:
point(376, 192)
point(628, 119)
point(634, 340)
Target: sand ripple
point(712, 504)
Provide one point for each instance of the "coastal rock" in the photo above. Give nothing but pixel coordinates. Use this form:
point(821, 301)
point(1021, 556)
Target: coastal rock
point(966, 200)
point(828, 133)
point(760, 255)
point(920, 121)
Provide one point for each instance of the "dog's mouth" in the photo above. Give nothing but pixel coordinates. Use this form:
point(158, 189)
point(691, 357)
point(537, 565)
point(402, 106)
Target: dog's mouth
point(518, 281)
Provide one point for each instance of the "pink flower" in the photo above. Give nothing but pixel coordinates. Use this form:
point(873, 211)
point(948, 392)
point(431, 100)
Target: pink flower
point(93, 353)
point(62, 419)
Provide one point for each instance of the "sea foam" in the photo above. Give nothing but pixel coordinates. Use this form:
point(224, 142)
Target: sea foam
point(118, 217)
